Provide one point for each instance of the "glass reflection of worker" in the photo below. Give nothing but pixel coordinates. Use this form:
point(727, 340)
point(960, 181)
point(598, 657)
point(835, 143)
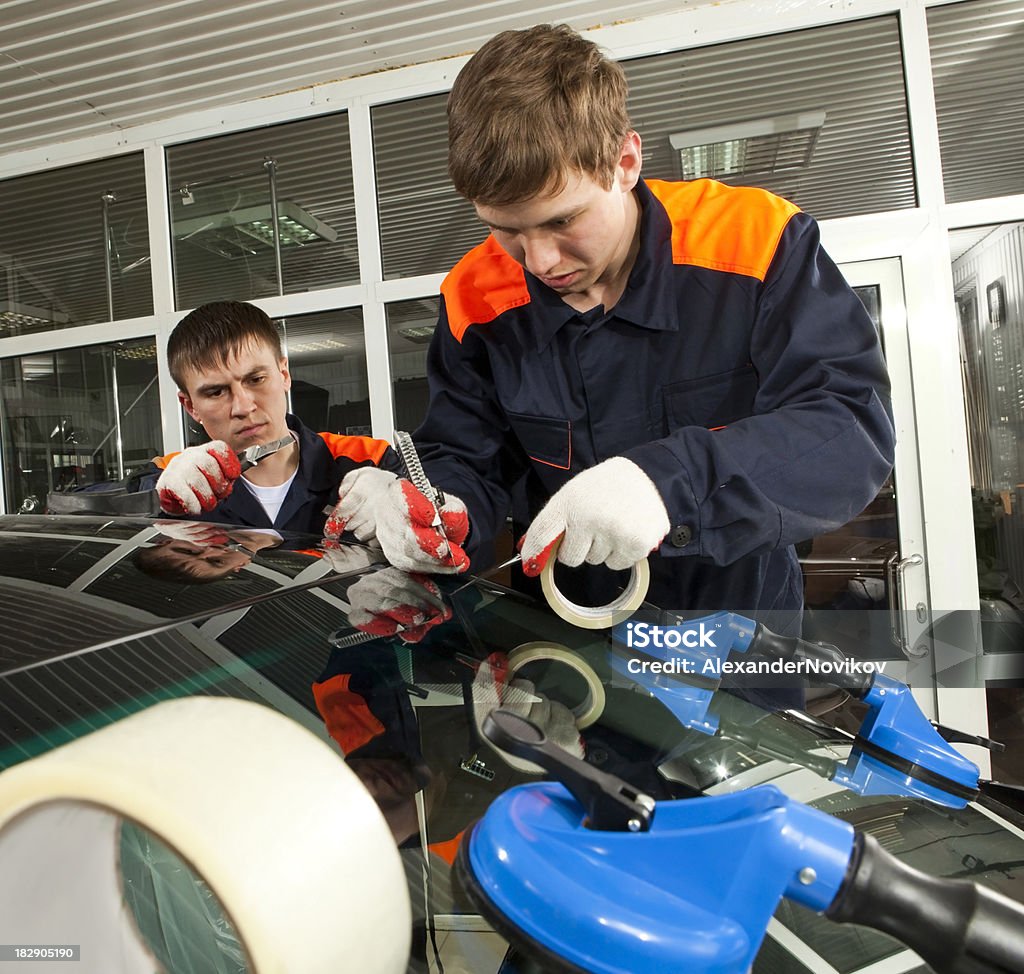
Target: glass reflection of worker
point(233, 380)
point(383, 601)
point(363, 700)
point(631, 365)
point(193, 552)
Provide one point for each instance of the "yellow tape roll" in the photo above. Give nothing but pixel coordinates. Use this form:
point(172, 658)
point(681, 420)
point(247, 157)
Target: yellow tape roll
point(601, 616)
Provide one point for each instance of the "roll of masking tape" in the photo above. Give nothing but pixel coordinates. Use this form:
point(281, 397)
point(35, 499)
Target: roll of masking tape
point(286, 854)
point(592, 706)
point(601, 616)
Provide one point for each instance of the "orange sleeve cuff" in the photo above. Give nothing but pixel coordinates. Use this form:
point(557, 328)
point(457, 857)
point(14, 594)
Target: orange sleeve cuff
point(346, 714)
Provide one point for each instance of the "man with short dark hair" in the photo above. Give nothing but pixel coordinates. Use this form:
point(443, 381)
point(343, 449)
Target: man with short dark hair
point(233, 380)
point(633, 366)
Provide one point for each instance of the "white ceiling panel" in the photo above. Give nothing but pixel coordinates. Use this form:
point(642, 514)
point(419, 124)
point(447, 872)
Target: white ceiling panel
point(70, 69)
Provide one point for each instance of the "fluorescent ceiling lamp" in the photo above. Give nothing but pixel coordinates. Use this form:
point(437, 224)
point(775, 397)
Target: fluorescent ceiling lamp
point(247, 231)
point(759, 147)
point(417, 334)
point(137, 353)
point(36, 366)
point(320, 342)
point(14, 314)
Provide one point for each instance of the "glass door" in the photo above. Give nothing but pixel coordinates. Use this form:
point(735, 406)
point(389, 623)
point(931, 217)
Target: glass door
point(988, 288)
point(865, 584)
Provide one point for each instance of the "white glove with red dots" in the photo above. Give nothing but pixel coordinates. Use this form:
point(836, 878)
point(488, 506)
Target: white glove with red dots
point(390, 602)
point(611, 514)
point(355, 511)
point(198, 478)
point(375, 504)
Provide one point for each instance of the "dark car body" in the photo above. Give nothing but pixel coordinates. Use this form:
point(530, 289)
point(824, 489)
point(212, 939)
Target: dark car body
point(89, 637)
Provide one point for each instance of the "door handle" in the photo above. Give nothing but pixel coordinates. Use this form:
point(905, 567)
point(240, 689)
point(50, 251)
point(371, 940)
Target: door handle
point(895, 568)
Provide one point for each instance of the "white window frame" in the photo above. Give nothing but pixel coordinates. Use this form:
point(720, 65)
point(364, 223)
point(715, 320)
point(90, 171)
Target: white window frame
point(919, 237)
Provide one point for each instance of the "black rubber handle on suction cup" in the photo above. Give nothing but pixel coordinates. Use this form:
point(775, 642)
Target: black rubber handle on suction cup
point(1010, 795)
point(611, 804)
point(773, 646)
point(957, 927)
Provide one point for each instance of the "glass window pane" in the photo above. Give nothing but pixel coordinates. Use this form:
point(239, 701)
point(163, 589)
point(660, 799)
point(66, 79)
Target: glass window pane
point(818, 116)
point(53, 265)
point(847, 595)
point(77, 416)
point(988, 282)
point(220, 192)
point(410, 328)
point(977, 51)
point(836, 138)
point(327, 358)
point(425, 226)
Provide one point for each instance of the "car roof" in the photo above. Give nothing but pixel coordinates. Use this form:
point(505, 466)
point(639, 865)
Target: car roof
point(76, 582)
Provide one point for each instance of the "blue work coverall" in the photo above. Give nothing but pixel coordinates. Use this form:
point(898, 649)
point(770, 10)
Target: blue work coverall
point(738, 370)
point(324, 459)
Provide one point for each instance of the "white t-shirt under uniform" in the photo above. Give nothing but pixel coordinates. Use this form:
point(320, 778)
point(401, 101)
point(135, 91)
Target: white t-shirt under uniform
point(271, 498)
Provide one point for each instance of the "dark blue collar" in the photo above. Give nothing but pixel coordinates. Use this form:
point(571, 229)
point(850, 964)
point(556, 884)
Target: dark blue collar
point(647, 300)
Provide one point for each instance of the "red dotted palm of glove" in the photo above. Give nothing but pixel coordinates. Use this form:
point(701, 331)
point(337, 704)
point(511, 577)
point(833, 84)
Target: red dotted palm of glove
point(532, 567)
point(498, 662)
point(209, 486)
point(409, 622)
point(455, 523)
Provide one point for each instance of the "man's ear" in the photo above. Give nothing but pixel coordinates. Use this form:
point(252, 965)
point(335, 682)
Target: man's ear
point(627, 172)
point(186, 402)
point(285, 374)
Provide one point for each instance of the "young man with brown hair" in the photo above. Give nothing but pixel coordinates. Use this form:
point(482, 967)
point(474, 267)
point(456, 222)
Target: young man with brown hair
point(630, 365)
point(233, 380)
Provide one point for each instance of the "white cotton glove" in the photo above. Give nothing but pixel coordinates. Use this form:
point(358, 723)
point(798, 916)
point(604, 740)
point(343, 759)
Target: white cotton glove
point(198, 478)
point(611, 514)
point(391, 602)
point(346, 559)
point(200, 533)
point(356, 508)
point(394, 512)
point(407, 536)
point(492, 689)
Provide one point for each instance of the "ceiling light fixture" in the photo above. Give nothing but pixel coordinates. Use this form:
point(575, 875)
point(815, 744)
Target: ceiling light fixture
point(758, 147)
point(314, 343)
point(247, 231)
point(136, 353)
point(417, 334)
point(16, 315)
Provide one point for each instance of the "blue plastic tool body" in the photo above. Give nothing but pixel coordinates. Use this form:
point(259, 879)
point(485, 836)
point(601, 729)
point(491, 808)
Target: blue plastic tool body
point(896, 725)
point(695, 893)
point(683, 677)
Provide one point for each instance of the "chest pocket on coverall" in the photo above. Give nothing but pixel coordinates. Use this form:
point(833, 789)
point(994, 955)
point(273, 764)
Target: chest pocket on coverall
point(711, 400)
point(545, 440)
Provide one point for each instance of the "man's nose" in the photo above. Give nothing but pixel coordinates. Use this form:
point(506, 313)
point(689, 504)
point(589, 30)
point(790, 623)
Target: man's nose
point(242, 402)
point(541, 255)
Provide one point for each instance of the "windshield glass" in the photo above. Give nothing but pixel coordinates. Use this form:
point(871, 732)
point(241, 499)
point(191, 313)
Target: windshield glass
point(96, 629)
